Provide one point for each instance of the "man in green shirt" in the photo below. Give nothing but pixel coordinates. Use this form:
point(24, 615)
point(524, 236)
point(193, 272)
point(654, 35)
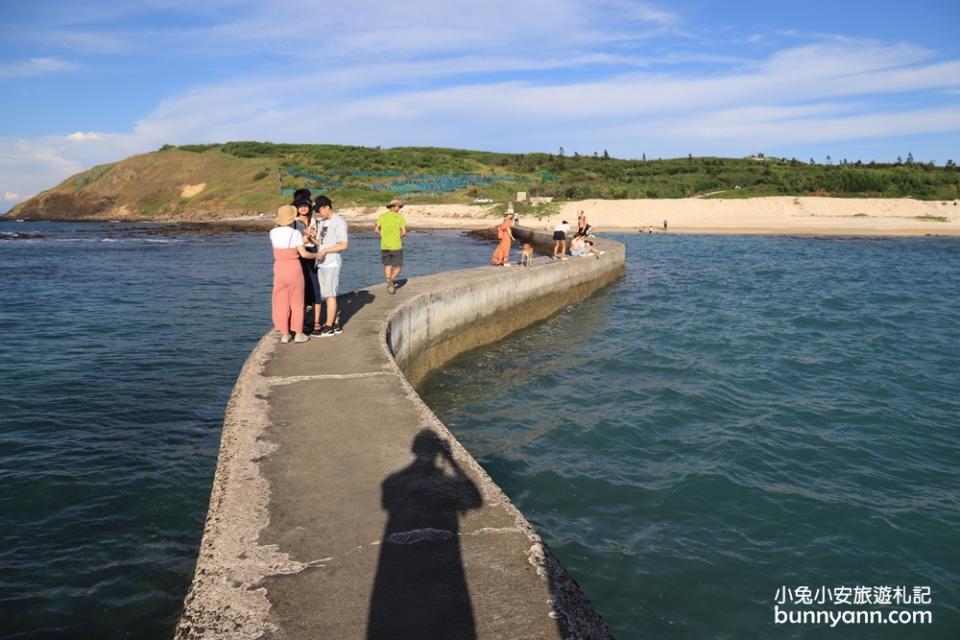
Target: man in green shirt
point(391, 227)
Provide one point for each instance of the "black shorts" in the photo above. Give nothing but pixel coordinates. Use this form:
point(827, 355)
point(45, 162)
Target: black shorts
point(391, 258)
point(559, 235)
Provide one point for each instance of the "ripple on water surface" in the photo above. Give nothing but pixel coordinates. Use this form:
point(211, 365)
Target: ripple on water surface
point(735, 415)
point(122, 349)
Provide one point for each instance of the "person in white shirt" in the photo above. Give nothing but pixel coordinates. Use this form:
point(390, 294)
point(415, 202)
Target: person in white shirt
point(288, 285)
point(329, 232)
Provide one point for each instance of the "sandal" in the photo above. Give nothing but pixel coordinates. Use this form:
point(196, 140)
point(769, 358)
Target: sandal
point(317, 327)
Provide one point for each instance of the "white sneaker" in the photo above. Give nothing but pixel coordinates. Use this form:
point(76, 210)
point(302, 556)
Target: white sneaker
point(285, 338)
point(301, 337)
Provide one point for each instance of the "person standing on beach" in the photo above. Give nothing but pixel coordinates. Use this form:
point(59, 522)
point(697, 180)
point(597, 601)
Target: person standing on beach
point(287, 298)
point(664, 224)
point(560, 240)
point(332, 240)
point(501, 255)
point(391, 227)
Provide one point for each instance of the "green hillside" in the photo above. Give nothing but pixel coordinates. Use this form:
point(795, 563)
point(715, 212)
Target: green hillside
point(247, 177)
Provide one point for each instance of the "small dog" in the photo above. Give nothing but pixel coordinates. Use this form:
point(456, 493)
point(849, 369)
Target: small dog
point(526, 256)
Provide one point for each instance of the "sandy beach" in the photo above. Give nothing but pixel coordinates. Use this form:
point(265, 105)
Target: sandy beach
point(786, 215)
point(777, 215)
point(770, 216)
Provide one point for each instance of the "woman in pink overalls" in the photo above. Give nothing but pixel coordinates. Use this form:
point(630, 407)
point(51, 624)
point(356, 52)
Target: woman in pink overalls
point(288, 306)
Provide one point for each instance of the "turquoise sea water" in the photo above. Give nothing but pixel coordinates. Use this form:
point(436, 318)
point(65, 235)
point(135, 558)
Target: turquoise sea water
point(121, 345)
point(736, 415)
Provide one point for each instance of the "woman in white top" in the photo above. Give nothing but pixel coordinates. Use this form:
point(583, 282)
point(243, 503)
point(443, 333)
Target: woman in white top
point(288, 285)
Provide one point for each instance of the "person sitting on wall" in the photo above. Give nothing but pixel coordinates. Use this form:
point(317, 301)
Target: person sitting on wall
point(578, 247)
point(591, 250)
point(583, 227)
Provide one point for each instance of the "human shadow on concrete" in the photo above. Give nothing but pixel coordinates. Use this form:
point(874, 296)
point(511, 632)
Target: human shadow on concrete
point(420, 590)
point(349, 304)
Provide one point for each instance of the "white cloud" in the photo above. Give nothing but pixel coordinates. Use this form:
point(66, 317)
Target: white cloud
point(35, 67)
point(363, 30)
point(9, 196)
point(776, 127)
point(28, 166)
point(80, 136)
point(556, 72)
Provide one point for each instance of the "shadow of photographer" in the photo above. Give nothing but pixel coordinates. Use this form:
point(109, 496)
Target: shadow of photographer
point(420, 590)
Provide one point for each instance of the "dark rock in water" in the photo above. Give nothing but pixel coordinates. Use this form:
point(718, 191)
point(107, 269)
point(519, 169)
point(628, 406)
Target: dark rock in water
point(168, 228)
point(483, 234)
point(20, 235)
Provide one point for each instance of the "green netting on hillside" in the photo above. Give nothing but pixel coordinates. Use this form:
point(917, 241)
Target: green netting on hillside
point(404, 183)
point(315, 182)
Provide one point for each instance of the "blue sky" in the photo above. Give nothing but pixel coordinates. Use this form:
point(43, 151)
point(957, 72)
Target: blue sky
point(82, 83)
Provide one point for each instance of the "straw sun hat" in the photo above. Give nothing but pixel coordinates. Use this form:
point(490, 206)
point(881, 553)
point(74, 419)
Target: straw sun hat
point(285, 215)
point(395, 203)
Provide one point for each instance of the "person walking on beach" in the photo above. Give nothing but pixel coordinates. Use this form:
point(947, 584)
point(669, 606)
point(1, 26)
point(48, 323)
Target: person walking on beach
point(560, 240)
point(501, 255)
point(391, 227)
point(664, 224)
point(287, 299)
point(332, 240)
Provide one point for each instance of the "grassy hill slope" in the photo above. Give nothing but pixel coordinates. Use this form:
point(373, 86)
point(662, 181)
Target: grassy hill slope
point(197, 182)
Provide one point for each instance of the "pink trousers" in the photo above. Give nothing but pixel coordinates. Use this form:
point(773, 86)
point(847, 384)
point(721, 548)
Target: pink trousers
point(501, 255)
point(287, 291)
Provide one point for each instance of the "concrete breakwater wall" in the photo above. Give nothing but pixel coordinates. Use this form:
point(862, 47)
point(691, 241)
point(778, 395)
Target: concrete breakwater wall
point(343, 508)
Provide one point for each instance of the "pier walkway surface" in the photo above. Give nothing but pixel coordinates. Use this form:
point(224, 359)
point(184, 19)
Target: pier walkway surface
point(343, 508)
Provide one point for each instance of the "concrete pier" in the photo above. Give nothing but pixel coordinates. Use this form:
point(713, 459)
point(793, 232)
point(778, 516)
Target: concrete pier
point(343, 508)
